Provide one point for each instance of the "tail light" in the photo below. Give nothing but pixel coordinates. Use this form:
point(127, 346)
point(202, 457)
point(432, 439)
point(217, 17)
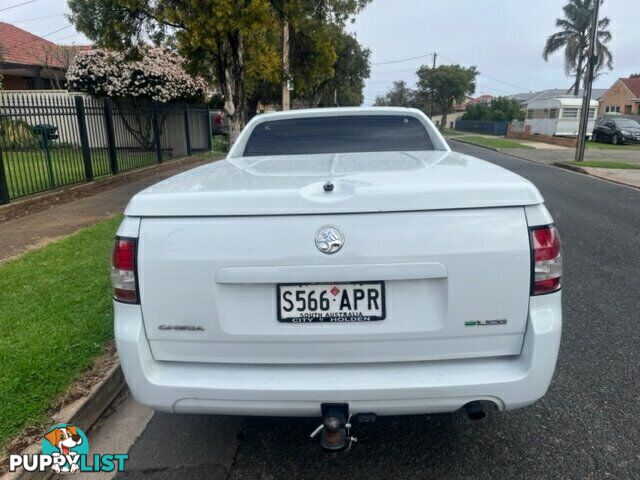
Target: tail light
point(546, 260)
point(123, 270)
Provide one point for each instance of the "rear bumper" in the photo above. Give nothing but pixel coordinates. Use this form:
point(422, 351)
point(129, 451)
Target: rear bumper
point(298, 390)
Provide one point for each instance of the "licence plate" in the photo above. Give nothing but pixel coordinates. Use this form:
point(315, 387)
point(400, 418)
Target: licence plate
point(331, 302)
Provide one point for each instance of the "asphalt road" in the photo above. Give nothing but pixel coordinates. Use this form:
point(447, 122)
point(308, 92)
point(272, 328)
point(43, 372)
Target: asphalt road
point(586, 427)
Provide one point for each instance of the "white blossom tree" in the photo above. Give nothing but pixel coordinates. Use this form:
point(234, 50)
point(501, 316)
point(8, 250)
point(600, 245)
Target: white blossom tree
point(154, 74)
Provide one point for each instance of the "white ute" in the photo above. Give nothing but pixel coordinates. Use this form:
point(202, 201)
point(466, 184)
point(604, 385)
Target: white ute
point(338, 257)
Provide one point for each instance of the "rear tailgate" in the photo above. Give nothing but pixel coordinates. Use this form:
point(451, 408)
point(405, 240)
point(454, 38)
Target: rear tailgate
point(456, 285)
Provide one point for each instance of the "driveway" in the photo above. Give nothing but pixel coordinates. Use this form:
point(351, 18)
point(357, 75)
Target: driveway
point(586, 427)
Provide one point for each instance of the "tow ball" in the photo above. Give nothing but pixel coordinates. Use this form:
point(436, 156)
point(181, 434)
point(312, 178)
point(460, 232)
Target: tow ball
point(335, 429)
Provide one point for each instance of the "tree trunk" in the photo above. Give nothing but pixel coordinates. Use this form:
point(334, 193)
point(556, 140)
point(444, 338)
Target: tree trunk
point(236, 124)
point(576, 86)
point(232, 80)
point(445, 111)
point(252, 106)
point(445, 108)
point(141, 129)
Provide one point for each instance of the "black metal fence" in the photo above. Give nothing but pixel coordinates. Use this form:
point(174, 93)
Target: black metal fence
point(51, 140)
point(490, 128)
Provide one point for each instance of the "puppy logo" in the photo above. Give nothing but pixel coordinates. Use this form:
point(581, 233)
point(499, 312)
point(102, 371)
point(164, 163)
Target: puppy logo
point(67, 443)
point(65, 449)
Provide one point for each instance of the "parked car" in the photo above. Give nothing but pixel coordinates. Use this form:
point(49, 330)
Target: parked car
point(338, 262)
point(617, 131)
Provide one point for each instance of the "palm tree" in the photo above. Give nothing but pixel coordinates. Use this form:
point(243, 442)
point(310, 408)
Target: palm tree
point(574, 36)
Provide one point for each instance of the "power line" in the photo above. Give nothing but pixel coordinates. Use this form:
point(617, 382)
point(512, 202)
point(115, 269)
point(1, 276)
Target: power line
point(64, 38)
point(29, 42)
point(492, 88)
point(56, 31)
point(519, 87)
point(17, 5)
point(396, 71)
point(379, 91)
point(403, 59)
point(37, 18)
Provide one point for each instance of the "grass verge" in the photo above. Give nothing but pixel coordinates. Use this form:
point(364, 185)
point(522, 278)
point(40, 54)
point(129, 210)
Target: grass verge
point(610, 146)
point(35, 171)
point(450, 132)
point(55, 318)
point(494, 142)
point(606, 164)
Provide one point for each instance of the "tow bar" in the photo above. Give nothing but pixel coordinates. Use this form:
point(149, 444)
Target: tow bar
point(335, 429)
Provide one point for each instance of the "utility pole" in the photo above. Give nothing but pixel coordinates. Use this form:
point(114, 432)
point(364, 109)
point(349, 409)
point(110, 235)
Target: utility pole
point(586, 99)
point(286, 79)
point(435, 55)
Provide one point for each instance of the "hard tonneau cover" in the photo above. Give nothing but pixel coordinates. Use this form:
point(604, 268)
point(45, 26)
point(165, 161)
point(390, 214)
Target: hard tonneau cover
point(363, 182)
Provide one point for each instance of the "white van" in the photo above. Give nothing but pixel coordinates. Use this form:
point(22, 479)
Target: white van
point(559, 116)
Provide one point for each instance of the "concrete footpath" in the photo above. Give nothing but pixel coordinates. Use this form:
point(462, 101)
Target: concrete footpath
point(558, 156)
point(33, 231)
point(550, 154)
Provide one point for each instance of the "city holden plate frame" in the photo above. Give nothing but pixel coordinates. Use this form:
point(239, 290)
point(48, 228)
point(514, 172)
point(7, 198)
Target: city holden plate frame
point(366, 299)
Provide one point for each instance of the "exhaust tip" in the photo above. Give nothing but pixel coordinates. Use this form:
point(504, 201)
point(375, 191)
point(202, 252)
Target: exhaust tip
point(475, 410)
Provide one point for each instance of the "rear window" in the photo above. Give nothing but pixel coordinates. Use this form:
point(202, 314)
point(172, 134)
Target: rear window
point(339, 134)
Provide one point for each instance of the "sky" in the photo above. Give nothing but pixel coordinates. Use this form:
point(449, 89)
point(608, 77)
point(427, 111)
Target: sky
point(502, 38)
point(29, 16)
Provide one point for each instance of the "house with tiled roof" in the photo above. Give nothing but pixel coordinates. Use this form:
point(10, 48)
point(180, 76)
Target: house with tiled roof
point(623, 97)
point(30, 62)
point(481, 99)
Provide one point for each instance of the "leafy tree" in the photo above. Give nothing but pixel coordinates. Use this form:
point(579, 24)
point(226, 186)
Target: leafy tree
point(499, 109)
point(345, 85)
point(320, 82)
point(635, 75)
point(232, 43)
point(400, 95)
point(225, 41)
point(449, 84)
point(574, 37)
